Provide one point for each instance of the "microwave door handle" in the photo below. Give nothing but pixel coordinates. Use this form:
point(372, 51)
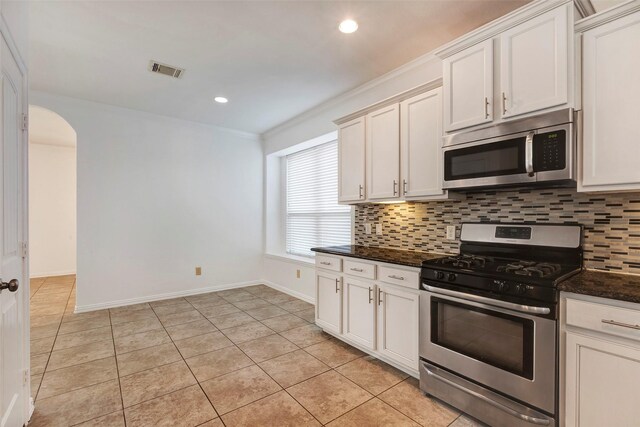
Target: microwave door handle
point(528, 153)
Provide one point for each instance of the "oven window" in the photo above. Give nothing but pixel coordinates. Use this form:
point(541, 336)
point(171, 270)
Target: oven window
point(496, 159)
point(497, 339)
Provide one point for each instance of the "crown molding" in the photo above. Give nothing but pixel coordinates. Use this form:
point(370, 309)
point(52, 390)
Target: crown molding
point(433, 84)
point(608, 15)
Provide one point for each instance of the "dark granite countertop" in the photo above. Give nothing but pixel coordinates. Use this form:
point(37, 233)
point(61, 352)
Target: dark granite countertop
point(372, 253)
point(623, 287)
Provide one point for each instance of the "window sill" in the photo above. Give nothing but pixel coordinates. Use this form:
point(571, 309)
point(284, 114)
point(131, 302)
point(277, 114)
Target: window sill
point(294, 259)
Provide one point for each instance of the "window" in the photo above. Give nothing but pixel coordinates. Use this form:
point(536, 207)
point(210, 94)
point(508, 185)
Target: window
point(314, 217)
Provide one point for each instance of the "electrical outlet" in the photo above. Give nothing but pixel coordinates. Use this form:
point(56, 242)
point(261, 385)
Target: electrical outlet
point(367, 228)
point(298, 274)
point(451, 232)
point(198, 271)
point(379, 229)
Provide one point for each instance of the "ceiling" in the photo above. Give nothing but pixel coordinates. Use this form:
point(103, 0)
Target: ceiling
point(272, 59)
point(47, 127)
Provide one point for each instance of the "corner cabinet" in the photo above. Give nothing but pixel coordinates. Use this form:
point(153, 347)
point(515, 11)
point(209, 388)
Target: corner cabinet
point(468, 87)
point(372, 306)
point(611, 107)
point(351, 161)
point(601, 363)
point(383, 153)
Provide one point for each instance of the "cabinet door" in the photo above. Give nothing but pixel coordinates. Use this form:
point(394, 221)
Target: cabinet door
point(398, 324)
point(421, 145)
point(534, 62)
point(601, 383)
point(351, 161)
point(329, 301)
point(611, 90)
point(359, 311)
point(468, 87)
point(383, 153)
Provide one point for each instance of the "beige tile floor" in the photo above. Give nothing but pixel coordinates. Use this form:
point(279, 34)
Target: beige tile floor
point(241, 357)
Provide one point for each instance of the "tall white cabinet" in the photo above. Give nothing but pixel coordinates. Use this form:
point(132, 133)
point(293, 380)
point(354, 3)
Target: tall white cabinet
point(383, 153)
point(351, 161)
point(611, 106)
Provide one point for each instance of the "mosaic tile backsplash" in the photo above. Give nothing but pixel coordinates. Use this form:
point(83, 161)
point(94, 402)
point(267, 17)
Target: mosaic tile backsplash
point(611, 222)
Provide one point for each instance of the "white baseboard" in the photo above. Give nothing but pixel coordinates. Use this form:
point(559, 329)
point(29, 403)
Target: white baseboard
point(288, 291)
point(170, 295)
point(51, 274)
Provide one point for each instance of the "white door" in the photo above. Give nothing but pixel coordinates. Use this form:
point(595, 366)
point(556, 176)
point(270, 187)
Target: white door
point(601, 383)
point(14, 391)
point(534, 62)
point(468, 87)
point(359, 311)
point(421, 145)
point(398, 324)
point(383, 153)
point(611, 106)
point(351, 161)
point(329, 301)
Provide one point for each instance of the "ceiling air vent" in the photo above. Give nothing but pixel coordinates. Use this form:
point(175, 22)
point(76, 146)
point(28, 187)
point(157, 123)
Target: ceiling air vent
point(165, 69)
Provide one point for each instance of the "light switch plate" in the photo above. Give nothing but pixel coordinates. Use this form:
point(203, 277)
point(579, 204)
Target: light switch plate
point(379, 229)
point(367, 228)
point(451, 232)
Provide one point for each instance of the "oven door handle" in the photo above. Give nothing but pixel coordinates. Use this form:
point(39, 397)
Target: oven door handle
point(490, 301)
point(498, 405)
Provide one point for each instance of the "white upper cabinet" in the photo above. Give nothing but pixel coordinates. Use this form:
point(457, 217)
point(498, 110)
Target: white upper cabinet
point(383, 153)
point(534, 62)
point(351, 161)
point(468, 87)
point(421, 143)
point(611, 106)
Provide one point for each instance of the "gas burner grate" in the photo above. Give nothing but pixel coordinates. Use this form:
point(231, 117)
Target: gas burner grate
point(530, 268)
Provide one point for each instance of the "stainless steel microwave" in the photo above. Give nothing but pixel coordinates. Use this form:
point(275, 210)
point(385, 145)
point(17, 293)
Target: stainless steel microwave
point(536, 151)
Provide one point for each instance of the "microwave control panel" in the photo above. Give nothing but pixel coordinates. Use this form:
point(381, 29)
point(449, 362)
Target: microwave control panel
point(550, 151)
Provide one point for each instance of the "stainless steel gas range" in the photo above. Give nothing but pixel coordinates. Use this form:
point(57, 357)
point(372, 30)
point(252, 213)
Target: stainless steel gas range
point(488, 321)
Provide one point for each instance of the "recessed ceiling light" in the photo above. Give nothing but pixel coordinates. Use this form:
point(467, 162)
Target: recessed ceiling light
point(221, 99)
point(348, 26)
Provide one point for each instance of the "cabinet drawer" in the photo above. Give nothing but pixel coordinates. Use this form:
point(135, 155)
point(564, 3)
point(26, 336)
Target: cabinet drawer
point(604, 318)
point(328, 262)
point(360, 269)
point(396, 276)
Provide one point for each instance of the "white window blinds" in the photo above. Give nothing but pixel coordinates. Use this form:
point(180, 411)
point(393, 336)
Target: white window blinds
point(314, 217)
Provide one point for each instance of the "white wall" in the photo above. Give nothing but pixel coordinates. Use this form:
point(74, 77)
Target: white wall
point(52, 210)
point(313, 124)
point(16, 15)
point(157, 197)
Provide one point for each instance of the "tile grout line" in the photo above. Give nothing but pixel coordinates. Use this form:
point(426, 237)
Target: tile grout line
point(115, 356)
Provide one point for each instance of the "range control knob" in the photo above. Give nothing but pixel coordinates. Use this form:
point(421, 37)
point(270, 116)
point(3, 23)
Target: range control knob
point(500, 286)
point(521, 289)
point(451, 277)
point(439, 275)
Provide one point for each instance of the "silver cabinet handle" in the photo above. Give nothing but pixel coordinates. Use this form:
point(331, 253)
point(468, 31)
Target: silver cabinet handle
point(360, 188)
point(621, 324)
point(486, 107)
point(337, 285)
point(370, 295)
point(504, 103)
point(325, 263)
point(395, 185)
point(528, 153)
point(359, 270)
point(404, 187)
point(393, 276)
point(379, 296)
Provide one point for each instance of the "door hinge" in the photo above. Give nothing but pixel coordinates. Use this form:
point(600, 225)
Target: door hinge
point(25, 122)
point(24, 249)
point(25, 377)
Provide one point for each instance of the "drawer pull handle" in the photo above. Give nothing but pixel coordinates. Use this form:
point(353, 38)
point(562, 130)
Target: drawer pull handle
point(337, 285)
point(325, 263)
point(359, 270)
point(621, 324)
point(379, 296)
point(370, 295)
point(393, 276)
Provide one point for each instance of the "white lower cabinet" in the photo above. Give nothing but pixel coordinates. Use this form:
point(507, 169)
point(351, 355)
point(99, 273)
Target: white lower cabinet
point(329, 301)
point(601, 363)
point(359, 312)
point(398, 324)
point(379, 316)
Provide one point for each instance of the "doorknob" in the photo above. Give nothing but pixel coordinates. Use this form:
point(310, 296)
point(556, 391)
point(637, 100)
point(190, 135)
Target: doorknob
point(12, 285)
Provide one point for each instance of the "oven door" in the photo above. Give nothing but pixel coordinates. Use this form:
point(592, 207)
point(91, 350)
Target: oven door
point(504, 349)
